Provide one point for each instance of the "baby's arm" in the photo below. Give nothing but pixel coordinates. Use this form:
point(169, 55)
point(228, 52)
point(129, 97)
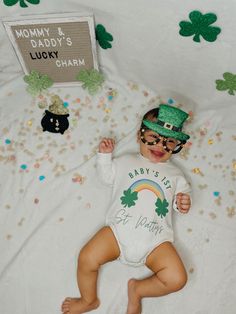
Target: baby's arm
point(105, 165)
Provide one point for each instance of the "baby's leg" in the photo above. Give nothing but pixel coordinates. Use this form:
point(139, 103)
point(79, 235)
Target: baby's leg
point(100, 249)
point(169, 276)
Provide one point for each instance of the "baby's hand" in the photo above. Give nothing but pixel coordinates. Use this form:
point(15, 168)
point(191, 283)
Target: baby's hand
point(183, 202)
point(106, 145)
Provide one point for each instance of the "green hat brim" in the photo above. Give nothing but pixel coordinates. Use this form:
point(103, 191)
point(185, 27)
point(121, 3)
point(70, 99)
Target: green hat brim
point(165, 132)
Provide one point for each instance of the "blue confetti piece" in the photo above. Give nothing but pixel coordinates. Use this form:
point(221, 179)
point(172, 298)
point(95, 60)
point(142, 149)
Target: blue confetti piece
point(41, 178)
point(7, 141)
point(170, 101)
point(216, 193)
point(65, 104)
point(110, 97)
point(23, 167)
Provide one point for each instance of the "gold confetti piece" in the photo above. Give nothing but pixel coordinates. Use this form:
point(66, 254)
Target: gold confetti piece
point(234, 165)
point(191, 270)
point(107, 110)
point(210, 141)
point(7, 206)
point(197, 171)
point(231, 211)
point(29, 123)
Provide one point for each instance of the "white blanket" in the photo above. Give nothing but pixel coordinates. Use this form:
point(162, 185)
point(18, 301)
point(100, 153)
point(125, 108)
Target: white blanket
point(50, 200)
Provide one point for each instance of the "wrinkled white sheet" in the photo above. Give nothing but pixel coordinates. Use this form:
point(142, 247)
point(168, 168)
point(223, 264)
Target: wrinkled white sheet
point(44, 223)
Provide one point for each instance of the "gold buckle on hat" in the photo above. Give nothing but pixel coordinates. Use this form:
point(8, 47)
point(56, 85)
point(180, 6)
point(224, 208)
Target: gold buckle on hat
point(168, 126)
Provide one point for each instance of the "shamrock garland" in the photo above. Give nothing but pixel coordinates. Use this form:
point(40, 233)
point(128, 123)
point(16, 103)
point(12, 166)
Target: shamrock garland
point(37, 82)
point(92, 80)
point(200, 26)
point(103, 37)
point(10, 3)
point(228, 84)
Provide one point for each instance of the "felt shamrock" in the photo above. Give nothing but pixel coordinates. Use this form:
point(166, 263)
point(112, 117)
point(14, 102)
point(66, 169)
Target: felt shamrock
point(200, 26)
point(37, 82)
point(162, 207)
point(103, 37)
point(92, 80)
point(22, 2)
point(229, 83)
point(129, 198)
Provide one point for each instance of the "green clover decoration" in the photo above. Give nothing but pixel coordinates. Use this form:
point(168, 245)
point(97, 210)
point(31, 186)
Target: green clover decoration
point(161, 207)
point(103, 37)
point(37, 82)
point(92, 80)
point(229, 83)
point(200, 26)
point(129, 198)
point(23, 3)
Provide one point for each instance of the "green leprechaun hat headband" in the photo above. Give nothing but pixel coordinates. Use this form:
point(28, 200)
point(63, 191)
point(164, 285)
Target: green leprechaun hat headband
point(169, 122)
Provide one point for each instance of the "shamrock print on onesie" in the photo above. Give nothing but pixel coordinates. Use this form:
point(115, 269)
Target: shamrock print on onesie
point(143, 197)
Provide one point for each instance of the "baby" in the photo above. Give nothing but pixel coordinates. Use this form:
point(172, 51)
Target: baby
point(138, 230)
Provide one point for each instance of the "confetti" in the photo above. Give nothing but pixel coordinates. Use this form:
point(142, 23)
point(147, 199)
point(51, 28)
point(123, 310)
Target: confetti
point(7, 141)
point(216, 193)
point(197, 171)
point(65, 104)
point(36, 201)
point(210, 141)
point(41, 178)
point(29, 123)
point(23, 167)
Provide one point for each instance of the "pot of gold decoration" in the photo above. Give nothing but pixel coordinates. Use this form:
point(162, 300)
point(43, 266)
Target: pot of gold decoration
point(55, 119)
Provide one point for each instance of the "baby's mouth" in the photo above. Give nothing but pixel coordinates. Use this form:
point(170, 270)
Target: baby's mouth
point(157, 153)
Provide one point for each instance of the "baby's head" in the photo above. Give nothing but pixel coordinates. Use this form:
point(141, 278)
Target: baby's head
point(160, 134)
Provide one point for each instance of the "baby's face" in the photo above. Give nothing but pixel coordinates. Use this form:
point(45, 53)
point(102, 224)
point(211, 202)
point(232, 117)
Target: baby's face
point(155, 153)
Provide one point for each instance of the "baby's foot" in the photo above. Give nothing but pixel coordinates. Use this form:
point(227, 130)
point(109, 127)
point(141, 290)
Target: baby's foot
point(134, 302)
point(78, 306)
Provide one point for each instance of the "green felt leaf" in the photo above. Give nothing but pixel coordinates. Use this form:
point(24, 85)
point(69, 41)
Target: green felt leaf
point(103, 37)
point(229, 83)
point(200, 26)
point(37, 82)
point(92, 80)
point(22, 3)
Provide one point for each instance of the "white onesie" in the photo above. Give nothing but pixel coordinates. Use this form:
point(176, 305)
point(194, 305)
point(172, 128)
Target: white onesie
point(143, 197)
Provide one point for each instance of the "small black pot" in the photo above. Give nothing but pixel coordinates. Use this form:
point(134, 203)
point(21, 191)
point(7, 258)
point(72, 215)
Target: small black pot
point(55, 123)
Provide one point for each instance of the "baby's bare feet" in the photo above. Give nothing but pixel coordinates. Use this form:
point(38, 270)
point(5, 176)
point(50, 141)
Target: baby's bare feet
point(134, 301)
point(78, 306)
